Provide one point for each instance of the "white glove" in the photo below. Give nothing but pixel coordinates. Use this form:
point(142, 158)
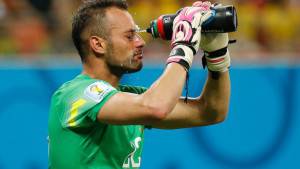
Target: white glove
point(187, 34)
point(216, 54)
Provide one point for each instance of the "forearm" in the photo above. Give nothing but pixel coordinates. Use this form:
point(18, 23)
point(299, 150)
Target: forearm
point(210, 108)
point(216, 93)
point(165, 92)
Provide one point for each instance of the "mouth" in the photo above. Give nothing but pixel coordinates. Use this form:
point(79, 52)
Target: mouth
point(138, 55)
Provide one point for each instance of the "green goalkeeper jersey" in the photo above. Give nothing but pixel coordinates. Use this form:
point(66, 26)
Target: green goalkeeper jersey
point(78, 141)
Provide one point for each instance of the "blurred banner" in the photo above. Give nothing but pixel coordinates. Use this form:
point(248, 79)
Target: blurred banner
point(35, 29)
point(261, 131)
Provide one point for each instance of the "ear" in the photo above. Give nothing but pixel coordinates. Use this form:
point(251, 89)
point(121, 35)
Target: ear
point(97, 44)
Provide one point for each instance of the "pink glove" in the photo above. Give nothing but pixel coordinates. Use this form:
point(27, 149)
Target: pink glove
point(187, 24)
point(187, 33)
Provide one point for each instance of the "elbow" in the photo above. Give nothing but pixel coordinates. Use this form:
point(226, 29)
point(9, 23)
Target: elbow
point(221, 115)
point(157, 108)
point(217, 114)
point(160, 111)
point(157, 111)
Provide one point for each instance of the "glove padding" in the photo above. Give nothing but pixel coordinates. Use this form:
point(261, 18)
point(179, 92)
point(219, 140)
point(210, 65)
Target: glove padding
point(187, 34)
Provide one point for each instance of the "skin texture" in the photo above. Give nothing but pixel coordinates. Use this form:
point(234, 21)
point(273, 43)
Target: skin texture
point(160, 106)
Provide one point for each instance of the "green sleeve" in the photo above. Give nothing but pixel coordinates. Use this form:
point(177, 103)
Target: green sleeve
point(123, 88)
point(132, 89)
point(95, 110)
point(82, 109)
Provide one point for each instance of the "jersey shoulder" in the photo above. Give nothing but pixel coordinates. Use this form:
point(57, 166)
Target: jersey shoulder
point(76, 100)
point(83, 86)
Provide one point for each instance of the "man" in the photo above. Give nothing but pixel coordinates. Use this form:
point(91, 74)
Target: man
point(95, 122)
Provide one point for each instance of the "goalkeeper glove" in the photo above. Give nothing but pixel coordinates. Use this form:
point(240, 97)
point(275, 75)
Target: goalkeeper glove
point(187, 34)
point(216, 55)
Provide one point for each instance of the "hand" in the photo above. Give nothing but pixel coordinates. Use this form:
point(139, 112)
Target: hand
point(216, 54)
point(187, 25)
point(187, 34)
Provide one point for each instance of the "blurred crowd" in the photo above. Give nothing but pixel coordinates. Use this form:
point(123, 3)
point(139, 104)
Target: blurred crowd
point(268, 29)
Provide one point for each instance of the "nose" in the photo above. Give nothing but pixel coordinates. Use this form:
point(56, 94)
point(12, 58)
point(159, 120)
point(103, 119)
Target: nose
point(139, 41)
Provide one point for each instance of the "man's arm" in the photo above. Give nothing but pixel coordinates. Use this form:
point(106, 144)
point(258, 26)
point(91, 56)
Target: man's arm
point(209, 108)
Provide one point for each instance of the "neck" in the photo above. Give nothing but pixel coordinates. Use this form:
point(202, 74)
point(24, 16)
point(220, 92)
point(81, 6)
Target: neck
point(98, 69)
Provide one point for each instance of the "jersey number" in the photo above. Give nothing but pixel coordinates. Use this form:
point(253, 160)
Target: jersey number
point(130, 158)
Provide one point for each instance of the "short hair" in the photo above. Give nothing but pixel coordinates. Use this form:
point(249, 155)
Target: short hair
point(91, 15)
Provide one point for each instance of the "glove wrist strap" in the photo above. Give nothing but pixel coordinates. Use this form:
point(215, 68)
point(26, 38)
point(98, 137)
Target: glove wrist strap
point(217, 61)
point(182, 55)
point(217, 53)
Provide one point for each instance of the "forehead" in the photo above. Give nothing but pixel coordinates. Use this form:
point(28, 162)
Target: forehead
point(119, 20)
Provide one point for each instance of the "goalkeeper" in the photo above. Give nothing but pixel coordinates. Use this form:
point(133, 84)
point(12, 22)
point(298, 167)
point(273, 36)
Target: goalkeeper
point(95, 122)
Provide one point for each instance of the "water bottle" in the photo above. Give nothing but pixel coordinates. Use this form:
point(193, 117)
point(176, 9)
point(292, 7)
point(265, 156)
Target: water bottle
point(224, 19)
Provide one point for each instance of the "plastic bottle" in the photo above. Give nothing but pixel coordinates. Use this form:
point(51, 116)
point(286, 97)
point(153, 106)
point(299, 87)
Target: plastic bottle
point(224, 20)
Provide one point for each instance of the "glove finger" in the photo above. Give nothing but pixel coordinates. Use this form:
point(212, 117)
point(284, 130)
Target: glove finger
point(201, 17)
point(197, 19)
point(206, 16)
point(197, 36)
point(206, 4)
point(216, 5)
point(193, 10)
point(197, 3)
point(203, 5)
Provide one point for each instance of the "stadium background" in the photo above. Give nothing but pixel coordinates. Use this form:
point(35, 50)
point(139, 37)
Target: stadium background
point(261, 131)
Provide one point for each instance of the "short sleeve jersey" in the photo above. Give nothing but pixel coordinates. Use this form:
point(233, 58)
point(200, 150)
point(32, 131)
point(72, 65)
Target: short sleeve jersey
point(78, 141)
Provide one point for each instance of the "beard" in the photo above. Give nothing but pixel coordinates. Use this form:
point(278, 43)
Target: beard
point(118, 68)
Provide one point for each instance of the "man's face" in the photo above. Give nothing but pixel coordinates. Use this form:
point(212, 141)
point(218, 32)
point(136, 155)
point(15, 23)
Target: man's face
point(124, 46)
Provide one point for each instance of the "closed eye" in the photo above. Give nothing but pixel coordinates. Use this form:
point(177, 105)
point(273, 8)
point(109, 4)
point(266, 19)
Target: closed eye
point(130, 37)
